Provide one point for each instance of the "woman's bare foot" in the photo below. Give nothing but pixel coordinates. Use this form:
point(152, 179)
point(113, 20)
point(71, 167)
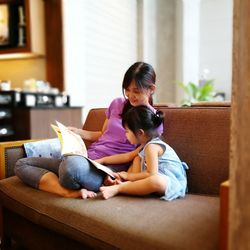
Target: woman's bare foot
point(87, 194)
point(109, 191)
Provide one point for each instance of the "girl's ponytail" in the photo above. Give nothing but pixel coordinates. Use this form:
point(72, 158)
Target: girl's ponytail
point(158, 118)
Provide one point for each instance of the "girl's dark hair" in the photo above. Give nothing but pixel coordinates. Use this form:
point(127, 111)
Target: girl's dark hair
point(142, 117)
point(144, 76)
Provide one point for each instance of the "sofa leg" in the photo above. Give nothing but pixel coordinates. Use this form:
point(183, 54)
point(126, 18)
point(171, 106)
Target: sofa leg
point(4, 239)
point(5, 243)
point(9, 244)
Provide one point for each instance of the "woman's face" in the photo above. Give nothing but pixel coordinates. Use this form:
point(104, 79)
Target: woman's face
point(138, 96)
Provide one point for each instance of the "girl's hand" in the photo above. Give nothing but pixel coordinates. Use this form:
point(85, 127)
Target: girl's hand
point(123, 175)
point(108, 181)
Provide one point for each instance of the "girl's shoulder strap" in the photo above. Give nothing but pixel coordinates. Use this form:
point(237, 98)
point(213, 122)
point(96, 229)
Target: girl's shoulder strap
point(156, 140)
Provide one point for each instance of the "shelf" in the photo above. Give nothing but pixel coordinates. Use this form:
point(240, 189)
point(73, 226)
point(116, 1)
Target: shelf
point(26, 29)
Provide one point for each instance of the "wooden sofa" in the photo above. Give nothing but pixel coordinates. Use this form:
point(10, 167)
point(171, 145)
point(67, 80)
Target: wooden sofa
point(40, 220)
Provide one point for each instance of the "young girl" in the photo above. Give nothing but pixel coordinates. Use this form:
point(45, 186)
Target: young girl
point(74, 176)
point(157, 168)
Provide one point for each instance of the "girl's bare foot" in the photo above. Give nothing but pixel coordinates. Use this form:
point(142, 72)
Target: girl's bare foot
point(109, 191)
point(87, 194)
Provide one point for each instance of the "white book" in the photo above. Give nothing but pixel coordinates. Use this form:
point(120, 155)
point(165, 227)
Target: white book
point(73, 144)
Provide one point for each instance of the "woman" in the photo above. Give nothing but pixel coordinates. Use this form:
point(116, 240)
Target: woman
point(74, 176)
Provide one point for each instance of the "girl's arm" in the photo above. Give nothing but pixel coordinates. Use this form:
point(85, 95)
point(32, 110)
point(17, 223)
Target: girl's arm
point(119, 158)
point(90, 135)
point(152, 153)
point(135, 167)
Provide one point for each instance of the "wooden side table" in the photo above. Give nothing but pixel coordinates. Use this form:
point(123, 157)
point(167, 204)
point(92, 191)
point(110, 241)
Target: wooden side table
point(224, 213)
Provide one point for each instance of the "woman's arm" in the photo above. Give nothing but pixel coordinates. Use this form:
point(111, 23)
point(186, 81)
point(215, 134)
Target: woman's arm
point(90, 135)
point(152, 152)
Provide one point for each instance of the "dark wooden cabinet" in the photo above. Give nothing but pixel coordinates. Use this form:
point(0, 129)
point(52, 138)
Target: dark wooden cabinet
point(6, 123)
point(34, 123)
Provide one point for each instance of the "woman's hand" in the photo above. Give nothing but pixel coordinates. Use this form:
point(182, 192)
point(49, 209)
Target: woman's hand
point(85, 134)
point(75, 130)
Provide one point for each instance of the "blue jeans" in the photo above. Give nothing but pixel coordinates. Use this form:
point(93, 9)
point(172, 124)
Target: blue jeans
point(74, 172)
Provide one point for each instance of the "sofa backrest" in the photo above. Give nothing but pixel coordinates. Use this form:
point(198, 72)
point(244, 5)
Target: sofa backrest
point(199, 135)
point(201, 138)
point(94, 121)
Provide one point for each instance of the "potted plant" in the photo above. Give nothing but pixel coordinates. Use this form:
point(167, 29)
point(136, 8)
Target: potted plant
point(195, 93)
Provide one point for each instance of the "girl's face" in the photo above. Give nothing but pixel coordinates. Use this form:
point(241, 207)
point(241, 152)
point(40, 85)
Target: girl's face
point(131, 136)
point(138, 96)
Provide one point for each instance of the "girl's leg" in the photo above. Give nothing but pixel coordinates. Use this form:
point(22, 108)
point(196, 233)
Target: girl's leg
point(152, 184)
point(76, 172)
point(41, 173)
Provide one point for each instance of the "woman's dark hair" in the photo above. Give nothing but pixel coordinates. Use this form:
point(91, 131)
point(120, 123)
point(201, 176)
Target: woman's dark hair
point(142, 117)
point(144, 76)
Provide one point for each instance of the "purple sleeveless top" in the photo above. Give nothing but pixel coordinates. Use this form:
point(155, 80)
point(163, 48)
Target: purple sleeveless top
point(113, 141)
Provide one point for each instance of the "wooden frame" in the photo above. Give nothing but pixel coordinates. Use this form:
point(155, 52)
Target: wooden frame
point(54, 43)
point(3, 147)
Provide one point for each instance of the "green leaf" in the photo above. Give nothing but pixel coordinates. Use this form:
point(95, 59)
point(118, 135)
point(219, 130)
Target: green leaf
point(197, 93)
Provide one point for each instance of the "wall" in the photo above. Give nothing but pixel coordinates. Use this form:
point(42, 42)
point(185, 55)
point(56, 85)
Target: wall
point(100, 43)
point(159, 45)
point(113, 35)
point(182, 38)
point(19, 70)
point(166, 50)
point(187, 43)
point(102, 38)
point(216, 19)
point(210, 47)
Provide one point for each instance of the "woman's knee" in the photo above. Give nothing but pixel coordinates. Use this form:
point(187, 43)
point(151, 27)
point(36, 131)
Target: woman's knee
point(26, 171)
point(20, 164)
point(77, 172)
point(73, 165)
point(71, 170)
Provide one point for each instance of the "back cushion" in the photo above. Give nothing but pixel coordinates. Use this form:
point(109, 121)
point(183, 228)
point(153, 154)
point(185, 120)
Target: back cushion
point(94, 121)
point(201, 137)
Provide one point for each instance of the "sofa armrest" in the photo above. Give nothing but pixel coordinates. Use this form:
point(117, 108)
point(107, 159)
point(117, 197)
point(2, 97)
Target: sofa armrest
point(10, 152)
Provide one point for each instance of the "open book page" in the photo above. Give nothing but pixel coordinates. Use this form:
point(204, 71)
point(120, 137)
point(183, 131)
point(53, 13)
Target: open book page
point(73, 144)
point(102, 167)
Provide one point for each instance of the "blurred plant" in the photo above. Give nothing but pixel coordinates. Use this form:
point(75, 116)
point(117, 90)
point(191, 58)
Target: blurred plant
point(195, 93)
